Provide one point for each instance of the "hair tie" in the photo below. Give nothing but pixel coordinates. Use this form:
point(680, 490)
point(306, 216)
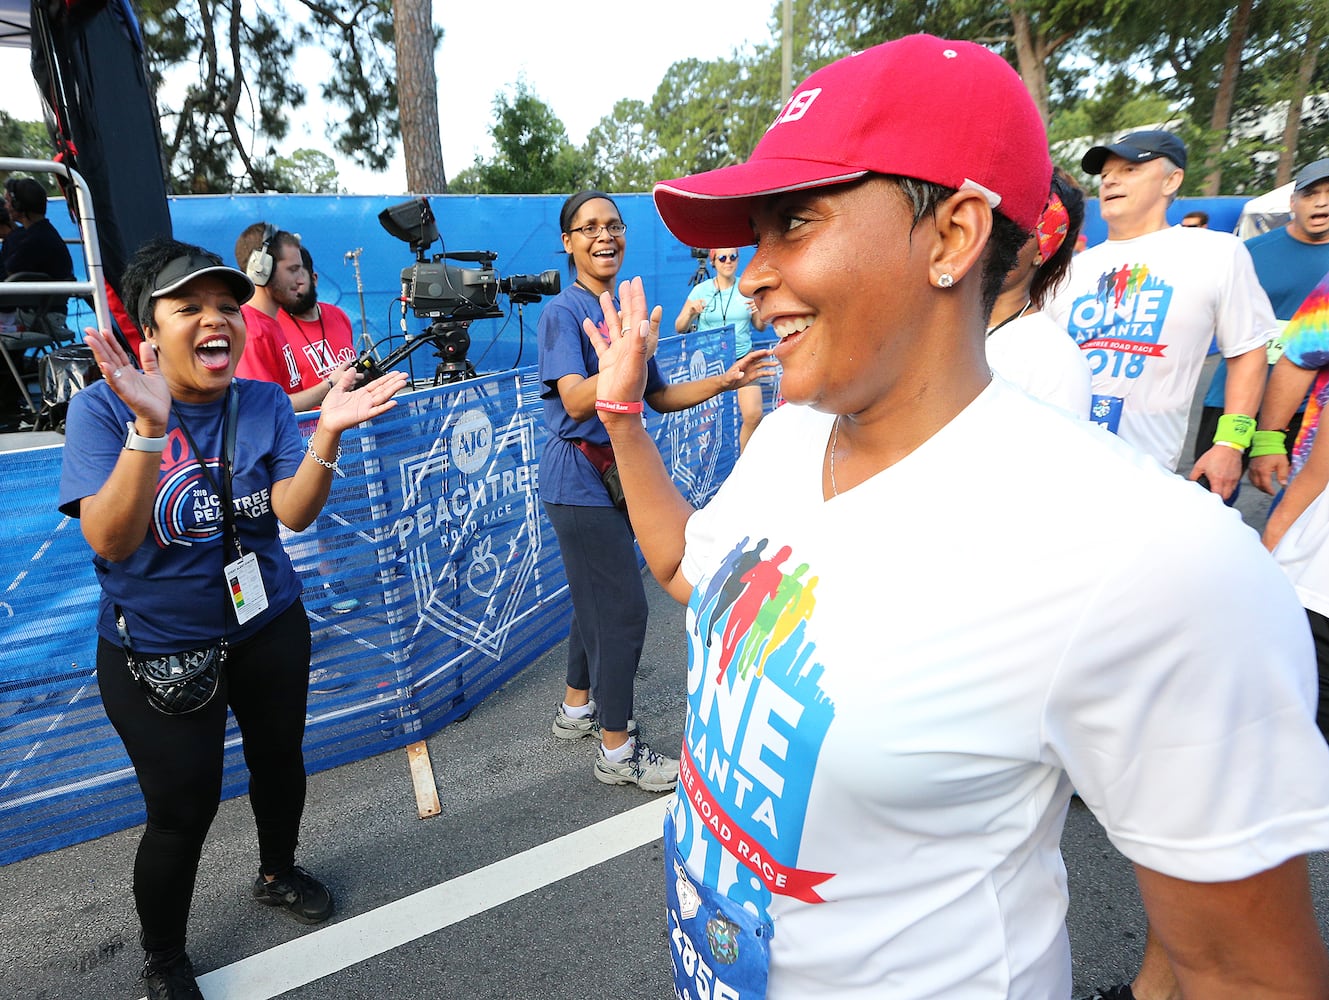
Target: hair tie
point(1052, 227)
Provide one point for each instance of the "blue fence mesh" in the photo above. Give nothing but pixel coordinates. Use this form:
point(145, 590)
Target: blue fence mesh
point(434, 527)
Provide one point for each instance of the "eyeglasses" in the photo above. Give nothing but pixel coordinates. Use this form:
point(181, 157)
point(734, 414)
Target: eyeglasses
point(591, 230)
point(725, 258)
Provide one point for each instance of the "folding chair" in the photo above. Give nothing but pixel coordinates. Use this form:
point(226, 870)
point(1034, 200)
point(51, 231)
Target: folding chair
point(41, 317)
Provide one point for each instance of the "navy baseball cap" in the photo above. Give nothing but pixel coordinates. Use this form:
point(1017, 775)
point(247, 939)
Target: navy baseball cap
point(1138, 147)
point(1311, 173)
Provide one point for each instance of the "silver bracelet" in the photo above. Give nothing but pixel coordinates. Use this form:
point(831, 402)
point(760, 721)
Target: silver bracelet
point(330, 466)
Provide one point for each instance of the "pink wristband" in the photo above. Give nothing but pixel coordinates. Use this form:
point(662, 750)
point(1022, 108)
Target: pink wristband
point(618, 406)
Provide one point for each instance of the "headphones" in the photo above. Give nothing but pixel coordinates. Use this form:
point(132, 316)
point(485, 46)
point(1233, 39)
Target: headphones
point(259, 266)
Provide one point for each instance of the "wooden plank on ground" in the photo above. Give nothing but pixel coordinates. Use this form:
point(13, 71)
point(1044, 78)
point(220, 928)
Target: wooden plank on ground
point(422, 777)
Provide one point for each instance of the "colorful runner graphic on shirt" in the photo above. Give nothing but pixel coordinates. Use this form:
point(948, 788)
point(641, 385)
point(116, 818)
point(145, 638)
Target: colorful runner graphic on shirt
point(1306, 344)
point(757, 718)
point(1119, 324)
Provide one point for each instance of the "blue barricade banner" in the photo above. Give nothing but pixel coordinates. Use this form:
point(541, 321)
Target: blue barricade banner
point(431, 578)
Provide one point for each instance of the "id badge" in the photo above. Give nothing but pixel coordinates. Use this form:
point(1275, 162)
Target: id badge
point(244, 583)
point(719, 950)
point(1106, 410)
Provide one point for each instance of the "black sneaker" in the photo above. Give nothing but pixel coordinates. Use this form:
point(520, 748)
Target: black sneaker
point(1122, 991)
point(298, 893)
point(173, 980)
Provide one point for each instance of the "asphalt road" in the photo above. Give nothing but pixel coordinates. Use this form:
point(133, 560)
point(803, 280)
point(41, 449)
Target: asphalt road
point(466, 904)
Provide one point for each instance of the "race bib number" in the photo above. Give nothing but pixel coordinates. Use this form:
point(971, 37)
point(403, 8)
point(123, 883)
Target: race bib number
point(1106, 410)
point(719, 950)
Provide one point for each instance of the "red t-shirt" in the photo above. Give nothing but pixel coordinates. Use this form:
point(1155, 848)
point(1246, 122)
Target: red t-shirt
point(318, 347)
point(267, 356)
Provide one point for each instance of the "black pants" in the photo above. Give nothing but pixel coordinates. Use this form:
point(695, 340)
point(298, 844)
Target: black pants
point(178, 762)
point(609, 607)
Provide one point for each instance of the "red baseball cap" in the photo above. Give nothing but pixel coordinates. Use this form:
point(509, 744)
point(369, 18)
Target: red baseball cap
point(952, 113)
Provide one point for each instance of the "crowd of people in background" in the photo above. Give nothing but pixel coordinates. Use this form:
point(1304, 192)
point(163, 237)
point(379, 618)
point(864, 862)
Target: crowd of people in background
point(890, 704)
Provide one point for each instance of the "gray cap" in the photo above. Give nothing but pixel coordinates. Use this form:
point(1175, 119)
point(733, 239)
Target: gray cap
point(1138, 147)
point(1311, 173)
point(180, 271)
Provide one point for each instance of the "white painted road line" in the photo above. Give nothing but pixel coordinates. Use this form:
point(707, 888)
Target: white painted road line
point(343, 944)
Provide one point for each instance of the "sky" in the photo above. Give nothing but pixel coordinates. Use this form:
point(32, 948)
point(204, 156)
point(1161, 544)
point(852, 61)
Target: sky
point(579, 67)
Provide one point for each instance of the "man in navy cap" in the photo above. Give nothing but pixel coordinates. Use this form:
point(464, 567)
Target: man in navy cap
point(1146, 304)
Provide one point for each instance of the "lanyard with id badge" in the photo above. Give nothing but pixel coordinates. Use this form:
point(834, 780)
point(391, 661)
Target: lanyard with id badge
point(720, 950)
point(241, 575)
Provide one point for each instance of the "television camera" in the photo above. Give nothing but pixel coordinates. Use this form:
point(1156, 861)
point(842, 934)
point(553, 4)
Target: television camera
point(449, 295)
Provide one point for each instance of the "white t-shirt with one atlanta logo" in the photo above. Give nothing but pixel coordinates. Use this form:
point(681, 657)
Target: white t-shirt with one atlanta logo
point(892, 694)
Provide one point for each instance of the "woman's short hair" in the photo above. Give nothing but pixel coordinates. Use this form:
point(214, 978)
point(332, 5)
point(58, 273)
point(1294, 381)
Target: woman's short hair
point(569, 212)
point(141, 273)
point(1003, 245)
point(575, 202)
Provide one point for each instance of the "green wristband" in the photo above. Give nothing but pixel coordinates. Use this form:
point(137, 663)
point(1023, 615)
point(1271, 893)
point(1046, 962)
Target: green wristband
point(1269, 443)
point(1235, 428)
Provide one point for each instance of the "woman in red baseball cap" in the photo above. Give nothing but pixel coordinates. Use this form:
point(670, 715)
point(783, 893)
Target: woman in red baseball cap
point(912, 635)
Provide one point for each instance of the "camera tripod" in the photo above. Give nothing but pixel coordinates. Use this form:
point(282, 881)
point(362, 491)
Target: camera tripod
point(702, 273)
point(450, 342)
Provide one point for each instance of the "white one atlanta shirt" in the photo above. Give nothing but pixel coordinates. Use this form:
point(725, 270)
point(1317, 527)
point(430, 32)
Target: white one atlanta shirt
point(1145, 312)
point(892, 694)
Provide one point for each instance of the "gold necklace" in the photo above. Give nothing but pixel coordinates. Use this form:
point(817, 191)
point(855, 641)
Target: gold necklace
point(835, 440)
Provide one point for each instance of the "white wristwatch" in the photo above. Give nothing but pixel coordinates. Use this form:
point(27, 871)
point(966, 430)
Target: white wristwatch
point(135, 441)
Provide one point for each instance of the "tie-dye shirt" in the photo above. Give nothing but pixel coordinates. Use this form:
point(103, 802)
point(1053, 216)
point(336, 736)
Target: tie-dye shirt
point(1306, 345)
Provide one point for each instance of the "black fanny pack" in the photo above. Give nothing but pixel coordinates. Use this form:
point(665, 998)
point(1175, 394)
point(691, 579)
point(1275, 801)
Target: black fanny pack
point(175, 683)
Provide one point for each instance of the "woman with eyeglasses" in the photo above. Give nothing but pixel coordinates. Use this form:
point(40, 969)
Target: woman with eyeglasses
point(595, 536)
point(717, 302)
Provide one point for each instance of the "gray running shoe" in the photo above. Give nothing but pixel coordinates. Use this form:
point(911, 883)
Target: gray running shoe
point(648, 770)
point(565, 727)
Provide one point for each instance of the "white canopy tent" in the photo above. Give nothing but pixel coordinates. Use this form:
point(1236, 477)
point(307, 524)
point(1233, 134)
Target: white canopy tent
point(14, 29)
point(1265, 212)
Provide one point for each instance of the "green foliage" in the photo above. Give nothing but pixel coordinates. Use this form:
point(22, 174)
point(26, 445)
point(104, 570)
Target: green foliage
point(1106, 66)
point(29, 141)
point(623, 150)
point(306, 171)
point(243, 87)
point(532, 152)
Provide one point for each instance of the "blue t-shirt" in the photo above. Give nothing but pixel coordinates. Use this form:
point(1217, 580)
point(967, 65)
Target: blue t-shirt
point(725, 307)
point(566, 475)
point(171, 588)
point(1288, 269)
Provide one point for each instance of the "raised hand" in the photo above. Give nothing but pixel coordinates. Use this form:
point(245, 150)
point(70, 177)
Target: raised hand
point(145, 392)
point(752, 366)
point(630, 338)
point(345, 406)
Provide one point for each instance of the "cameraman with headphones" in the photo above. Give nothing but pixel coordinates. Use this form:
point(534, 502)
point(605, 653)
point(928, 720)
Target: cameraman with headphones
point(271, 258)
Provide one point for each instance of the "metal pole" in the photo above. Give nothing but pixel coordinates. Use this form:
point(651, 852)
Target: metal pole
point(787, 52)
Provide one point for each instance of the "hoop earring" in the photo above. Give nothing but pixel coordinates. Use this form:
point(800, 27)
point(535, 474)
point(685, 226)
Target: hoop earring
point(946, 280)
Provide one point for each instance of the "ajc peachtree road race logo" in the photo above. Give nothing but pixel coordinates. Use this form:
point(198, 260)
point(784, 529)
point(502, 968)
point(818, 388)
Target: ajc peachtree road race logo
point(696, 435)
point(469, 526)
point(186, 508)
point(1119, 323)
point(753, 691)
